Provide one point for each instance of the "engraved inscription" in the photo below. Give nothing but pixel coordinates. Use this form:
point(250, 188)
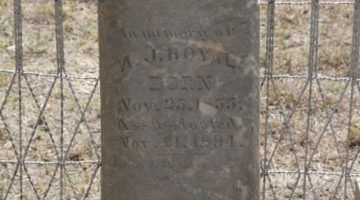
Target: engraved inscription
point(178, 90)
point(204, 55)
point(191, 141)
point(183, 104)
point(181, 124)
point(184, 82)
point(199, 33)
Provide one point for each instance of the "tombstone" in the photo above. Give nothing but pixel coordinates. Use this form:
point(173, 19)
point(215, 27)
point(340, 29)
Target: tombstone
point(179, 99)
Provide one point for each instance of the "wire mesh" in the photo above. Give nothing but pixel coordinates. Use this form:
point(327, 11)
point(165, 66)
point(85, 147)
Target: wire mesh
point(319, 163)
point(39, 159)
point(303, 154)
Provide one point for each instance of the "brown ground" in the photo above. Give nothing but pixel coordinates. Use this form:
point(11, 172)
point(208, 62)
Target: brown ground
point(81, 54)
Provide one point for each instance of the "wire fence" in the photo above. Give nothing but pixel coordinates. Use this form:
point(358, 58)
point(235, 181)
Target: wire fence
point(308, 147)
point(305, 182)
point(23, 177)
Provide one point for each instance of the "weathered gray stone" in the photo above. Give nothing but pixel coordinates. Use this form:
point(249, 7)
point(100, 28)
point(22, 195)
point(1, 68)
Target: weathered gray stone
point(180, 99)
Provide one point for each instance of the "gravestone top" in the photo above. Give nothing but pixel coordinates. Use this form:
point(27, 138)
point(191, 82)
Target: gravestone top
point(180, 99)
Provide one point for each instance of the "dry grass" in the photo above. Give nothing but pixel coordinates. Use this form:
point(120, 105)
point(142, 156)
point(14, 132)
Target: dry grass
point(40, 56)
point(290, 57)
point(80, 25)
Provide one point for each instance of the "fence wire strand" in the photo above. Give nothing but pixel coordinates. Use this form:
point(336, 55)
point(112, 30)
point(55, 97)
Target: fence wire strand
point(308, 3)
point(263, 77)
point(20, 79)
point(312, 80)
point(21, 177)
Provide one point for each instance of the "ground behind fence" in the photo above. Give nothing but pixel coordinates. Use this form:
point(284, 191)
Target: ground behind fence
point(50, 108)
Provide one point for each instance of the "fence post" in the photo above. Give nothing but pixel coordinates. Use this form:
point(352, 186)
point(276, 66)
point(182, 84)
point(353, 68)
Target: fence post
point(179, 99)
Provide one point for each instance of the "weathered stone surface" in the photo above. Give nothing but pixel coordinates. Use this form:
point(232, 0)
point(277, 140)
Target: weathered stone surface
point(179, 86)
